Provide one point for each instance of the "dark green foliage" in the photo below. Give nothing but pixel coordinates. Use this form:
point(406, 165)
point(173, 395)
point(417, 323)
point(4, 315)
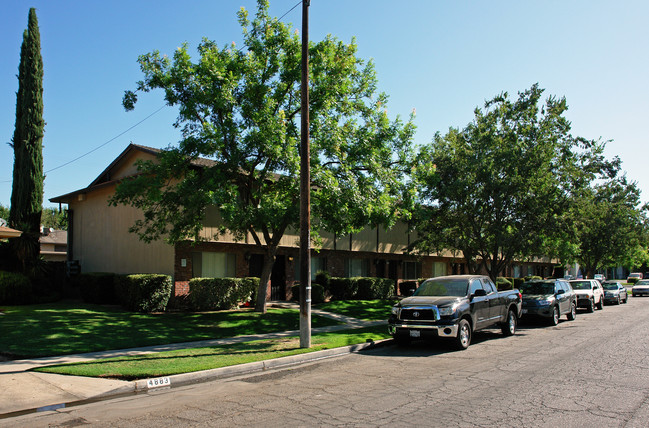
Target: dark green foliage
point(504, 283)
point(317, 293)
point(15, 288)
point(361, 288)
point(144, 292)
point(27, 190)
point(97, 287)
point(209, 294)
point(323, 278)
point(532, 277)
point(517, 282)
point(375, 288)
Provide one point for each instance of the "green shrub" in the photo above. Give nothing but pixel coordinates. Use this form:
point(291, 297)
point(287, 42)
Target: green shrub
point(97, 287)
point(317, 293)
point(343, 288)
point(144, 292)
point(518, 282)
point(15, 289)
point(504, 283)
point(209, 294)
point(375, 288)
point(532, 277)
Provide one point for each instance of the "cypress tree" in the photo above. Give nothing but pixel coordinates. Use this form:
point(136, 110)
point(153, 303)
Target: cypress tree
point(27, 190)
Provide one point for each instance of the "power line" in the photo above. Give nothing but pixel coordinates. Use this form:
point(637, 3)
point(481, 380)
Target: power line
point(98, 147)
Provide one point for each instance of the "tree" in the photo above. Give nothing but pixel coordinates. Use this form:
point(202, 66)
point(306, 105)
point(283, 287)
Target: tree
point(240, 109)
point(495, 190)
point(610, 226)
point(27, 142)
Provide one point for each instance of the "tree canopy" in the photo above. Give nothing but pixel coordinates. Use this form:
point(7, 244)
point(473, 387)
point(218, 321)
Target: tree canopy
point(240, 108)
point(495, 190)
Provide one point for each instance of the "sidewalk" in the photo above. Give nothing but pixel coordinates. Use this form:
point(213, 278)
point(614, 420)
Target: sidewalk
point(22, 391)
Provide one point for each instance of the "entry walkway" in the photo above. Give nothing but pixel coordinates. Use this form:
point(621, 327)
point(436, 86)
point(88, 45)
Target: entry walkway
point(24, 390)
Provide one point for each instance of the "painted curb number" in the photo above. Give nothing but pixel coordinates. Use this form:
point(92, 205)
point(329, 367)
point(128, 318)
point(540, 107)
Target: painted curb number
point(158, 382)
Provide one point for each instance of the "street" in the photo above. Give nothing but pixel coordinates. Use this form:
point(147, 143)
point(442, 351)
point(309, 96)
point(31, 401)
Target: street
point(590, 372)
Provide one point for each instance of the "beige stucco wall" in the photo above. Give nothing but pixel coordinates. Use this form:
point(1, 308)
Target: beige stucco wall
point(102, 243)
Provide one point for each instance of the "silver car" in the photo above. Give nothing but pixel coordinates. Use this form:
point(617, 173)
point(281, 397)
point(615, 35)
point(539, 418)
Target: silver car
point(614, 292)
point(641, 288)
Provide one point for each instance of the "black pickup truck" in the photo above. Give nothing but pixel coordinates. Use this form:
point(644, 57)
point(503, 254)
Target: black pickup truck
point(454, 307)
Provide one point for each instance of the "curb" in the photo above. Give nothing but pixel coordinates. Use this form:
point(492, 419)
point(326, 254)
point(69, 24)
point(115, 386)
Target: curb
point(184, 379)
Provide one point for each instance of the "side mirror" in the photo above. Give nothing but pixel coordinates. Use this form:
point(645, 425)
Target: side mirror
point(560, 292)
point(480, 292)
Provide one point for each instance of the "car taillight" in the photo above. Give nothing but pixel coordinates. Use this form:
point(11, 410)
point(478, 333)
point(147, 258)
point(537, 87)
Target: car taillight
point(520, 296)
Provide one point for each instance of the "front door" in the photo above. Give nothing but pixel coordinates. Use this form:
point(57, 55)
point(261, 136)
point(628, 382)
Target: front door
point(278, 279)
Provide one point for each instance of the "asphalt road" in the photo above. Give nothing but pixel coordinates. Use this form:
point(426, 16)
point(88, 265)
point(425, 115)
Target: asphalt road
point(591, 372)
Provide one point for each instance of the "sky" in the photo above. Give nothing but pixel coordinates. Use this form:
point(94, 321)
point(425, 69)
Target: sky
point(441, 58)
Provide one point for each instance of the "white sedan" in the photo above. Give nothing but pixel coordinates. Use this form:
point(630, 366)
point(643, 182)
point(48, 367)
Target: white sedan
point(641, 288)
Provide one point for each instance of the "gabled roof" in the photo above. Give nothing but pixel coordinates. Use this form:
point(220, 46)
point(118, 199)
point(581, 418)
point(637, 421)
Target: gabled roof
point(105, 178)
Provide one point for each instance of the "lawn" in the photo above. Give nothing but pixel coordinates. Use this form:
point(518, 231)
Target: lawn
point(72, 327)
point(368, 310)
point(191, 360)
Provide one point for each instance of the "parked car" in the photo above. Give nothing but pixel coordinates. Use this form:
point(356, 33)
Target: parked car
point(641, 288)
point(599, 277)
point(615, 292)
point(634, 277)
point(549, 299)
point(454, 307)
point(589, 294)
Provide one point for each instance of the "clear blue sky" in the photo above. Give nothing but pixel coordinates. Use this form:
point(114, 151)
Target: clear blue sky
point(442, 58)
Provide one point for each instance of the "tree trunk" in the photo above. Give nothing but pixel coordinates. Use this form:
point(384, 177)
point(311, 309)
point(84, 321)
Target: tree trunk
point(264, 280)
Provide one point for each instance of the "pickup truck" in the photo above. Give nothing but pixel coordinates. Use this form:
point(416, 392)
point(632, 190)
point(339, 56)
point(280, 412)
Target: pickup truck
point(454, 307)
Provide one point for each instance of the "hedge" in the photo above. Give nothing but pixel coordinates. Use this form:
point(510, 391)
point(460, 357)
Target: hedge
point(209, 294)
point(361, 288)
point(98, 287)
point(15, 288)
point(144, 292)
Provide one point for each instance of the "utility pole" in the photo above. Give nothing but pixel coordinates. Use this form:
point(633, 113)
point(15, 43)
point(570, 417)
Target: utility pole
point(305, 190)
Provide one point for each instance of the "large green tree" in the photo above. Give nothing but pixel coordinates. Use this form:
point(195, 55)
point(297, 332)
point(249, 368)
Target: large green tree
point(494, 191)
point(610, 226)
point(27, 142)
point(240, 108)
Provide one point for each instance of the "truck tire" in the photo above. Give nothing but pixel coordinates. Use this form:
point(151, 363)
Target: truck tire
point(554, 319)
point(463, 339)
point(509, 326)
point(600, 305)
point(573, 312)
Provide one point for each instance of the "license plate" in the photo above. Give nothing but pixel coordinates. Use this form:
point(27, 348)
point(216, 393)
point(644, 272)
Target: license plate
point(415, 333)
point(524, 311)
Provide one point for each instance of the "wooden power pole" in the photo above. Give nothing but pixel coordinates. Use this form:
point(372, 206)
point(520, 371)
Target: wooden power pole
point(305, 190)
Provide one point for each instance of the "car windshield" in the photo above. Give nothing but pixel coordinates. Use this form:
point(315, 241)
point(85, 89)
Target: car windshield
point(443, 287)
point(580, 285)
point(612, 286)
point(642, 282)
point(634, 275)
point(536, 288)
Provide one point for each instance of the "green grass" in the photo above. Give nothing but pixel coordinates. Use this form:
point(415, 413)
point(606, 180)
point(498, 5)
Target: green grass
point(369, 310)
point(72, 327)
point(191, 360)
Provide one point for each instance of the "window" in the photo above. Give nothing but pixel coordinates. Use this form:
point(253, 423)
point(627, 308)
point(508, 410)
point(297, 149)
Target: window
point(411, 270)
point(214, 265)
point(357, 267)
point(517, 271)
point(475, 285)
point(489, 286)
point(317, 264)
point(439, 269)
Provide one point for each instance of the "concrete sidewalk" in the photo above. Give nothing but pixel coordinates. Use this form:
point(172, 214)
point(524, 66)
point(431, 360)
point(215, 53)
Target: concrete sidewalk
point(23, 391)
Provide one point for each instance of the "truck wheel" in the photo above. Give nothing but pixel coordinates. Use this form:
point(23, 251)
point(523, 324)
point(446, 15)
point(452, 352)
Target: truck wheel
point(509, 327)
point(600, 305)
point(591, 306)
point(554, 320)
point(573, 312)
point(463, 339)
